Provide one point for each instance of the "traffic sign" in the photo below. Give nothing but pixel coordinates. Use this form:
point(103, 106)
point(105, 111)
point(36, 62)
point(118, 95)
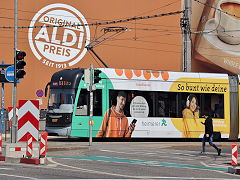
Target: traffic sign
point(39, 93)
point(28, 120)
point(9, 74)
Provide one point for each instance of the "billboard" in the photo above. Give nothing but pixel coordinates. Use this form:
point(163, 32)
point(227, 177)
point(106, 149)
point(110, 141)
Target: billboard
point(54, 34)
point(215, 25)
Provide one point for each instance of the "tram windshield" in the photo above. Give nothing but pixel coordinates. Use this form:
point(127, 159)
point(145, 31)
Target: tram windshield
point(61, 100)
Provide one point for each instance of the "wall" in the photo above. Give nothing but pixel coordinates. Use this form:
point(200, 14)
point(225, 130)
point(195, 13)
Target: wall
point(146, 44)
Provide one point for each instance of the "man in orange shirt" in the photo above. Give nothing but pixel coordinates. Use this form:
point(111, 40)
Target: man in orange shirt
point(115, 123)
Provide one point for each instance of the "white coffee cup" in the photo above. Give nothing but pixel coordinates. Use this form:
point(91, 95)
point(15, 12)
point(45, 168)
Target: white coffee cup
point(227, 26)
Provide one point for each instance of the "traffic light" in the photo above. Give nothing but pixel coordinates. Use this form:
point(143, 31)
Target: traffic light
point(20, 63)
point(97, 78)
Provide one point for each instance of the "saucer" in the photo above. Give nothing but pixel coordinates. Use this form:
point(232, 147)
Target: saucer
point(210, 34)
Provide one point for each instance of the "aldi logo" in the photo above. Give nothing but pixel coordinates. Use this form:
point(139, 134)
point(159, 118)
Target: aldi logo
point(60, 36)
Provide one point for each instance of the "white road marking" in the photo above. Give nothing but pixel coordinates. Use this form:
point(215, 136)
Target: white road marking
point(16, 176)
point(92, 171)
point(121, 175)
point(154, 154)
point(6, 169)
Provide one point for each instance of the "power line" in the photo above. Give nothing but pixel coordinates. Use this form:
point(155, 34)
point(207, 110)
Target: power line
point(33, 12)
point(149, 49)
point(164, 6)
point(103, 23)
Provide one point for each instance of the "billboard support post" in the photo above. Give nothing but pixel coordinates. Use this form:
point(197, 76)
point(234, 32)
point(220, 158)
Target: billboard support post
point(186, 25)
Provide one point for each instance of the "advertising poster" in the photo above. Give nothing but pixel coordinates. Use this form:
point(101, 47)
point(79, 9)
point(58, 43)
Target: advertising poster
point(215, 25)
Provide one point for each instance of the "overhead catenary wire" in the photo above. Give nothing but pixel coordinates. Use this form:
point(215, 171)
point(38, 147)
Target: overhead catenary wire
point(69, 16)
point(99, 23)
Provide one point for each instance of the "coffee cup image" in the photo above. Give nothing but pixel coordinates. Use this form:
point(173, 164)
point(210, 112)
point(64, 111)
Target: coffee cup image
point(227, 21)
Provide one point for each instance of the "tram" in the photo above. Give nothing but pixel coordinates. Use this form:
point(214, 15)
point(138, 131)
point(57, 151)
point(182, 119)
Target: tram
point(130, 103)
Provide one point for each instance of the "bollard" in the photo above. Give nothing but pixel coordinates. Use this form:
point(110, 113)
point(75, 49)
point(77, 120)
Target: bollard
point(2, 158)
point(29, 159)
point(43, 144)
point(29, 145)
point(234, 154)
point(0, 143)
point(43, 147)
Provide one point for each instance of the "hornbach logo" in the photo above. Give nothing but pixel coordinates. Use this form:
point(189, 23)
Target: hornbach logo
point(54, 46)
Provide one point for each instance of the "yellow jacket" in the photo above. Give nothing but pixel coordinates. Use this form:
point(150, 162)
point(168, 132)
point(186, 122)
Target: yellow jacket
point(117, 125)
point(191, 123)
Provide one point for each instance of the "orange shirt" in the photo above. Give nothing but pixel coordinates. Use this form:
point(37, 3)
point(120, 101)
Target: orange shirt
point(117, 125)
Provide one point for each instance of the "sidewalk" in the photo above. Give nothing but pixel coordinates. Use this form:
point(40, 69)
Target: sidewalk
point(56, 143)
point(60, 143)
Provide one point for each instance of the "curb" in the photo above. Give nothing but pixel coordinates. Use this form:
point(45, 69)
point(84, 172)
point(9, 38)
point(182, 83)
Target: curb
point(29, 161)
point(52, 149)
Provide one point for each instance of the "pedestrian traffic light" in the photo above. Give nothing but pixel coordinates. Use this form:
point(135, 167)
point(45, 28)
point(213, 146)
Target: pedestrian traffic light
point(97, 78)
point(20, 63)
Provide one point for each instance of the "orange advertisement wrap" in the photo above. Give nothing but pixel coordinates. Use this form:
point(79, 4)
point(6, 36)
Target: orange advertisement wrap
point(54, 35)
point(215, 25)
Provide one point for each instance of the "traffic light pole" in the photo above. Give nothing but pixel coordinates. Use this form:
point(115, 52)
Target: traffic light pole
point(91, 104)
point(14, 96)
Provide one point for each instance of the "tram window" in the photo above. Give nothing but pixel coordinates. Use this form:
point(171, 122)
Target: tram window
point(213, 104)
point(97, 102)
point(190, 102)
point(84, 103)
point(146, 102)
point(162, 104)
point(205, 103)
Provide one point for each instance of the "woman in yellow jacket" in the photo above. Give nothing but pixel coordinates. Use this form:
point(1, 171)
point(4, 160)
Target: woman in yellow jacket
point(191, 118)
point(115, 123)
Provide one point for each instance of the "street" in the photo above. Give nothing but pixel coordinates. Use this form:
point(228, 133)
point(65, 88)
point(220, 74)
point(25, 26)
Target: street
point(71, 159)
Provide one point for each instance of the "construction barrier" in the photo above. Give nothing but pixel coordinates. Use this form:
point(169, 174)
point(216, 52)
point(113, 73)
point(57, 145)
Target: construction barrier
point(29, 145)
point(10, 114)
point(43, 144)
point(28, 120)
point(2, 158)
point(29, 159)
point(234, 154)
point(0, 143)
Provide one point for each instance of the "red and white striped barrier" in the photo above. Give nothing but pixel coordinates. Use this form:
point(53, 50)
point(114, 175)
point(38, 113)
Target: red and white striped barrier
point(19, 149)
point(29, 145)
point(29, 159)
point(10, 114)
point(28, 120)
point(0, 143)
point(2, 158)
point(234, 154)
point(43, 144)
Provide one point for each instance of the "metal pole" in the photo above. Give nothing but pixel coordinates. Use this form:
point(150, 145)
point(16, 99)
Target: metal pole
point(91, 104)
point(14, 119)
point(2, 106)
point(187, 37)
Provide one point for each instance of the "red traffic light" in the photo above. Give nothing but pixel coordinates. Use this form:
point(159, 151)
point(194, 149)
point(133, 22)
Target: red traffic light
point(20, 55)
point(20, 63)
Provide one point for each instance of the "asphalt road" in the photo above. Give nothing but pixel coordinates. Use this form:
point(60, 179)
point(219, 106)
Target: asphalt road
point(73, 159)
